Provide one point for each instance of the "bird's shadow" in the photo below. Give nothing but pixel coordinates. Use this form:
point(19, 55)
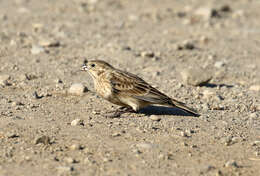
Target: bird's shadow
point(162, 110)
point(212, 85)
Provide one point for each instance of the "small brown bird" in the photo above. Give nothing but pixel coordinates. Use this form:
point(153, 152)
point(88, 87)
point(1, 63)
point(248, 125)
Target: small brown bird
point(126, 89)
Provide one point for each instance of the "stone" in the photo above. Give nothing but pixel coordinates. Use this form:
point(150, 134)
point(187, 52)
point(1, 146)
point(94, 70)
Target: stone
point(69, 160)
point(4, 80)
point(75, 147)
point(36, 49)
point(186, 44)
point(219, 64)
point(255, 88)
point(49, 43)
point(231, 163)
point(43, 139)
point(12, 135)
point(77, 89)
point(208, 93)
point(196, 76)
point(147, 54)
point(225, 8)
point(77, 122)
point(116, 134)
point(64, 169)
point(207, 12)
point(155, 118)
point(184, 134)
point(37, 96)
point(37, 26)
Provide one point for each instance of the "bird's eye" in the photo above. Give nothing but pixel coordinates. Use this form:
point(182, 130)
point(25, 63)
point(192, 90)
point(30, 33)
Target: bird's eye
point(92, 65)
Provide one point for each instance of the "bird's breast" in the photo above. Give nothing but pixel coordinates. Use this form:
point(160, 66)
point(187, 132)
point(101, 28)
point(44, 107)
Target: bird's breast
point(103, 89)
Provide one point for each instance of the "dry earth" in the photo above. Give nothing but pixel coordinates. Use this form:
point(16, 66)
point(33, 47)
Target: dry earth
point(43, 45)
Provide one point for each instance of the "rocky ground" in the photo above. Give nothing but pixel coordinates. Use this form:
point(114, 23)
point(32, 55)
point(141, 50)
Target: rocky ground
point(204, 53)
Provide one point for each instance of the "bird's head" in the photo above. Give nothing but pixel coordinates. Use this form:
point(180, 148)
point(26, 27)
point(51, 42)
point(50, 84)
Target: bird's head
point(96, 67)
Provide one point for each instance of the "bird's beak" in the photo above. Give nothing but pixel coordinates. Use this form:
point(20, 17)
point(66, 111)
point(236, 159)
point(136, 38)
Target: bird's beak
point(84, 68)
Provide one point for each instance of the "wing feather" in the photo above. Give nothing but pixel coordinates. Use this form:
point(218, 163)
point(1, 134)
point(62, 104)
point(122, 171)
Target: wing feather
point(131, 85)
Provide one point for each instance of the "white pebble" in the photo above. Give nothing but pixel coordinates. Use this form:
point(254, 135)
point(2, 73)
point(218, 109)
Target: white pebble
point(219, 64)
point(155, 118)
point(254, 88)
point(77, 122)
point(37, 49)
point(77, 89)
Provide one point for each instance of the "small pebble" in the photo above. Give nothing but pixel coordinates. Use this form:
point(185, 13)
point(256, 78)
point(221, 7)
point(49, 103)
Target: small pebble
point(255, 143)
point(155, 118)
point(77, 89)
point(219, 64)
point(36, 49)
point(64, 169)
point(207, 12)
point(4, 80)
point(58, 81)
point(255, 88)
point(208, 93)
point(12, 135)
point(186, 44)
point(37, 26)
point(16, 103)
point(225, 8)
point(231, 163)
point(43, 139)
point(147, 54)
point(48, 43)
point(77, 122)
point(253, 115)
point(106, 160)
point(75, 147)
point(184, 134)
point(69, 160)
point(36, 95)
point(170, 156)
point(257, 107)
point(116, 134)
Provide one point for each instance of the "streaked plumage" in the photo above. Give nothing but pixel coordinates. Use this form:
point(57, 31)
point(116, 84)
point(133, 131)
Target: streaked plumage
point(126, 89)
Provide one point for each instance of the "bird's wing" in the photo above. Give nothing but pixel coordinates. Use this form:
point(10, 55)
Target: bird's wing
point(129, 84)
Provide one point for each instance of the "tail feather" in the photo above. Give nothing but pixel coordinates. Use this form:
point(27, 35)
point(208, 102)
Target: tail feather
point(183, 107)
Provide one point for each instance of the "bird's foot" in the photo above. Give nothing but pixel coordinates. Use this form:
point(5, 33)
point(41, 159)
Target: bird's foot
point(118, 112)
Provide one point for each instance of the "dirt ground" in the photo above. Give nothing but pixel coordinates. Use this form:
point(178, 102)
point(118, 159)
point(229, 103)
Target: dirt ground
point(45, 130)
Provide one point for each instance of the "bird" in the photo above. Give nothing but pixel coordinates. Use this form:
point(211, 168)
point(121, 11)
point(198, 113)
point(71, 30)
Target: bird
point(126, 89)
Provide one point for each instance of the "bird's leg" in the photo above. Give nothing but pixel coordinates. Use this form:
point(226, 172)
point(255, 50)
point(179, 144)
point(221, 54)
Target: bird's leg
point(126, 109)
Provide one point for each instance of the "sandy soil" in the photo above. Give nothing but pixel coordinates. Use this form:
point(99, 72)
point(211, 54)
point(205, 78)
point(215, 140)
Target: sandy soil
point(43, 45)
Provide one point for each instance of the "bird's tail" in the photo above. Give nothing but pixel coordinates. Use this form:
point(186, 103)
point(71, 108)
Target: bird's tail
point(183, 107)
